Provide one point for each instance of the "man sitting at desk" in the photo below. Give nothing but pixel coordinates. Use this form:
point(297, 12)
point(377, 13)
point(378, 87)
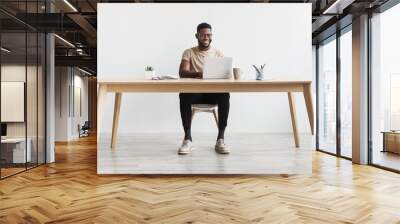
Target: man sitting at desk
point(192, 67)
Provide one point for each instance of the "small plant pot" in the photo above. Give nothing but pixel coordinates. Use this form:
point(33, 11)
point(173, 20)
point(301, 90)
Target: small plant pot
point(149, 74)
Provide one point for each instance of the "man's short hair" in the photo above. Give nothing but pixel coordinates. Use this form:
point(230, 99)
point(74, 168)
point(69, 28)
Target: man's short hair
point(203, 26)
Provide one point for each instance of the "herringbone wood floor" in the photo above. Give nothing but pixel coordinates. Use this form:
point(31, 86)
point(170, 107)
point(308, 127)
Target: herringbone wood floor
point(70, 191)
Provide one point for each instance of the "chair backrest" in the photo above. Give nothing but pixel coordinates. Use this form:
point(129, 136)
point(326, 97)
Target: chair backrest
point(86, 125)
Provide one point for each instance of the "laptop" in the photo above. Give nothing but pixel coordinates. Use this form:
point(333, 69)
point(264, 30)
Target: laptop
point(217, 68)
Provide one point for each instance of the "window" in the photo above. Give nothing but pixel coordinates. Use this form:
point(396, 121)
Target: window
point(385, 89)
point(327, 96)
point(346, 95)
point(395, 102)
point(335, 74)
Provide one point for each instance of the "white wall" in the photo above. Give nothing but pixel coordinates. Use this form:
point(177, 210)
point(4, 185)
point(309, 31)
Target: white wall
point(66, 121)
point(17, 73)
point(61, 103)
point(80, 84)
point(33, 126)
point(157, 34)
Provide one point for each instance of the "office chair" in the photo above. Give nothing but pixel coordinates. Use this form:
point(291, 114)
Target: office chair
point(210, 108)
point(84, 129)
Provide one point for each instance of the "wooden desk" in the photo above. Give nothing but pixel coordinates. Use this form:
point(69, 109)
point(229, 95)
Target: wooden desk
point(17, 152)
point(203, 86)
point(391, 141)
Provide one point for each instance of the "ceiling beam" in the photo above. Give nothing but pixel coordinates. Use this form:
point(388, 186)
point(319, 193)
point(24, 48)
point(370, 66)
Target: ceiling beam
point(85, 61)
point(86, 26)
point(337, 6)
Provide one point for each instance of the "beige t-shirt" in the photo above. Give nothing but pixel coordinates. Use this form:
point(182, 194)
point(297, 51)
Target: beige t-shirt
point(196, 57)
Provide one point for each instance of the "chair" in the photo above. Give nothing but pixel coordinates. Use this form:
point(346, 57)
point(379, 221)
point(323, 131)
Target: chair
point(84, 129)
point(210, 108)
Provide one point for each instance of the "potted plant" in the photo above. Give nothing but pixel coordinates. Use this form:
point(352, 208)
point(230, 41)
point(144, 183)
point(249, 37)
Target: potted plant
point(149, 72)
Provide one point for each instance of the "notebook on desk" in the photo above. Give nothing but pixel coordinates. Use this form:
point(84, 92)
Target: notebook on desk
point(164, 77)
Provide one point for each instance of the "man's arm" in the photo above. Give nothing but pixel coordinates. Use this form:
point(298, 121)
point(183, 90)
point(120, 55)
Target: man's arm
point(184, 71)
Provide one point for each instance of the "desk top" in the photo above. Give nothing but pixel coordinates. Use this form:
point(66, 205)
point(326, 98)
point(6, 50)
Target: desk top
point(202, 81)
point(204, 86)
point(13, 140)
point(396, 132)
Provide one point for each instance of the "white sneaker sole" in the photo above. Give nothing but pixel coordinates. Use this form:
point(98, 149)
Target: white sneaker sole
point(185, 152)
point(221, 152)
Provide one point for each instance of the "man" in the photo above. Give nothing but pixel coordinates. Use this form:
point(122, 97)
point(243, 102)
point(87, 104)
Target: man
point(192, 67)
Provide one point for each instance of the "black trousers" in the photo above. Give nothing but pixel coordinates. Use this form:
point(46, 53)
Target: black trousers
point(187, 99)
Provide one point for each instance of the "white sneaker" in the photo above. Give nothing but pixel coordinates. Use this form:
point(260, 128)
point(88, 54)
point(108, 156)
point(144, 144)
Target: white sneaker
point(185, 148)
point(220, 147)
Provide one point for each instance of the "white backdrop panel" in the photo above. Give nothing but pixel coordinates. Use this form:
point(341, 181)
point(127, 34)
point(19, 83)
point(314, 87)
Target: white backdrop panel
point(132, 36)
point(12, 101)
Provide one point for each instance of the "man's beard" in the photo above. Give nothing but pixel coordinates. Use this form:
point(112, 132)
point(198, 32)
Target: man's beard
point(203, 46)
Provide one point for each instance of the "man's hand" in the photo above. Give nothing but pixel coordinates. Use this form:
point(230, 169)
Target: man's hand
point(184, 71)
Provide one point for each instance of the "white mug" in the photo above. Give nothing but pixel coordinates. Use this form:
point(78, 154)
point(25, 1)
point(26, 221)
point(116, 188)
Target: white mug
point(237, 73)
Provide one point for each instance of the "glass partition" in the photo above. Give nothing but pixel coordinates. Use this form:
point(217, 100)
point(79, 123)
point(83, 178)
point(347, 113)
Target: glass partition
point(22, 77)
point(15, 149)
point(346, 94)
point(385, 89)
point(327, 96)
point(32, 95)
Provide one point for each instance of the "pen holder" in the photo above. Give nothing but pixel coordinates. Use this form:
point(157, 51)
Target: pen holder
point(260, 76)
point(259, 72)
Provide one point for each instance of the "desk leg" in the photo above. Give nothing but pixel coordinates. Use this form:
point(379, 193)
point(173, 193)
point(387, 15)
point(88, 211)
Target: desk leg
point(101, 97)
point(309, 104)
point(294, 119)
point(117, 109)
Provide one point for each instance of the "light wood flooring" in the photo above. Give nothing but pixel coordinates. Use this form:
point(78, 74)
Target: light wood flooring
point(386, 159)
point(70, 191)
point(10, 171)
point(251, 153)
